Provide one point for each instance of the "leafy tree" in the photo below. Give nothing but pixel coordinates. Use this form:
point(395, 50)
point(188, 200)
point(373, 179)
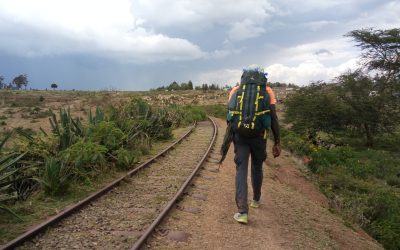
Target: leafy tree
point(21, 80)
point(190, 85)
point(54, 86)
point(2, 84)
point(380, 55)
point(173, 86)
point(316, 109)
point(368, 111)
point(361, 102)
point(183, 86)
point(380, 49)
point(214, 87)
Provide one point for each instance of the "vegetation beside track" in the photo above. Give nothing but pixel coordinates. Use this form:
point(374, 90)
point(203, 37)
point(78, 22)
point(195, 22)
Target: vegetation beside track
point(348, 133)
point(41, 173)
point(362, 184)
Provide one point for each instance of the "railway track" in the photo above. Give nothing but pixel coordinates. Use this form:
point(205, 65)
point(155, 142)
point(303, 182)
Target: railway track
point(124, 214)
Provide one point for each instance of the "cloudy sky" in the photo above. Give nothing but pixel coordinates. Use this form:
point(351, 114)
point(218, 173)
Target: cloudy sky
point(142, 44)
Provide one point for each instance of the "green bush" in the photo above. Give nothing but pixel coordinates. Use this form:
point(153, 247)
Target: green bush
point(124, 158)
point(107, 134)
point(55, 178)
point(193, 113)
point(85, 156)
point(393, 181)
point(354, 179)
point(219, 111)
point(384, 214)
point(185, 115)
point(294, 143)
point(360, 164)
point(325, 158)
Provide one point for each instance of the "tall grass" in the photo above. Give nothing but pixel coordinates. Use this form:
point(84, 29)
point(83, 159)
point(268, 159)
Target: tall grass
point(55, 178)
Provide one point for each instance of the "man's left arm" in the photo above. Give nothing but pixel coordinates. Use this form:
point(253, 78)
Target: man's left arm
point(275, 124)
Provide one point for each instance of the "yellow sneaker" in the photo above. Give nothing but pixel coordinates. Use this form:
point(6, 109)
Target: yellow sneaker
point(255, 204)
point(241, 218)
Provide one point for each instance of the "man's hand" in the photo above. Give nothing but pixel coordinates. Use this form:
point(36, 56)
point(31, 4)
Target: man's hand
point(276, 150)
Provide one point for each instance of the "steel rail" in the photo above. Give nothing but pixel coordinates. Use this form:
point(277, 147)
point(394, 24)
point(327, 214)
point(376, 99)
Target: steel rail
point(67, 212)
point(146, 234)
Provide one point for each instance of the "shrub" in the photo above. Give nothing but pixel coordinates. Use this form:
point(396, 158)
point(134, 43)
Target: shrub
point(294, 142)
point(185, 115)
point(194, 113)
point(85, 156)
point(219, 111)
point(384, 214)
point(124, 158)
point(325, 158)
point(55, 177)
point(107, 134)
point(393, 181)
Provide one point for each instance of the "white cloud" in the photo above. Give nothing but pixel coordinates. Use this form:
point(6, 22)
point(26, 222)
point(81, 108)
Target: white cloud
point(301, 74)
point(384, 17)
point(337, 49)
point(199, 15)
point(245, 30)
point(288, 7)
point(317, 25)
point(305, 72)
point(103, 28)
point(221, 77)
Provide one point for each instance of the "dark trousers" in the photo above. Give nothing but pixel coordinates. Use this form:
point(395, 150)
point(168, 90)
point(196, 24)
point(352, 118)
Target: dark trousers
point(244, 147)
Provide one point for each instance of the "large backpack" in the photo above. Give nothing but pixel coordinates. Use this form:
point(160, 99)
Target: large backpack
point(249, 111)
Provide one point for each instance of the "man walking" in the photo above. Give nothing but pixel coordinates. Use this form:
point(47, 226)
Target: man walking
point(251, 112)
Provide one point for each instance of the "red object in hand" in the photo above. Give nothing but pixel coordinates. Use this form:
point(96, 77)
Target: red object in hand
point(306, 160)
point(276, 150)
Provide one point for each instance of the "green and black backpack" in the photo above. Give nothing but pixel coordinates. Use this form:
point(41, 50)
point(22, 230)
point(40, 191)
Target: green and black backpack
point(248, 108)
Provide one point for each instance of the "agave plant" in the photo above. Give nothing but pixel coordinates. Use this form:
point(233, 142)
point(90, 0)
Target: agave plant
point(97, 118)
point(55, 177)
point(8, 175)
point(69, 129)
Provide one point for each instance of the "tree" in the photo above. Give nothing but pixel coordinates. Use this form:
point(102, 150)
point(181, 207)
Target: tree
point(183, 86)
point(368, 112)
point(190, 85)
point(364, 101)
point(173, 86)
point(54, 86)
point(314, 109)
point(213, 87)
point(2, 84)
point(21, 80)
point(380, 54)
point(204, 86)
point(380, 49)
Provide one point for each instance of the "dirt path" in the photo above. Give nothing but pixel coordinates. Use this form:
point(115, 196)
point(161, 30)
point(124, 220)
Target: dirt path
point(293, 213)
